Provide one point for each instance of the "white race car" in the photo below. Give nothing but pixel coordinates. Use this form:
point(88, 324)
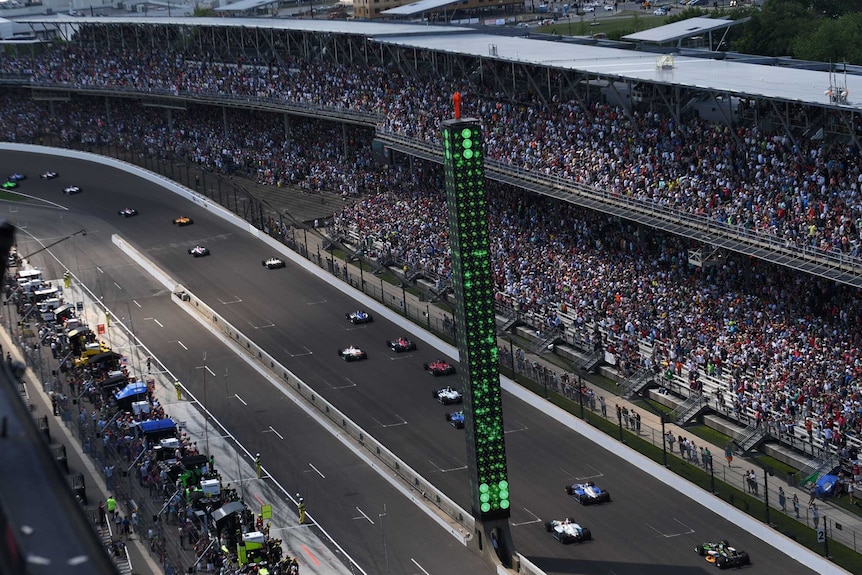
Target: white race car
point(352, 354)
point(71, 190)
point(199, 251)
point(273, 263)
point(49, 175)
point(448, 396)
point(567, 531)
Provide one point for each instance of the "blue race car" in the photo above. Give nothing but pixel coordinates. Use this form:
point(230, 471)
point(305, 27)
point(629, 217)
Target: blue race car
point(456, 419)
point(587, 493)
point(359, 317)
point(16, 177)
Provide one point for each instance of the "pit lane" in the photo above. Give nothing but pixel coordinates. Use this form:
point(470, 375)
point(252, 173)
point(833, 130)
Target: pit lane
point(635, 533)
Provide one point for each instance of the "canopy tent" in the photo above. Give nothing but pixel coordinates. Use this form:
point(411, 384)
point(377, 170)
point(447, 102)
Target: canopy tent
point(115, 381)
point(158, 428)
point(227, 509)
point(104, 357)
point(131, 390)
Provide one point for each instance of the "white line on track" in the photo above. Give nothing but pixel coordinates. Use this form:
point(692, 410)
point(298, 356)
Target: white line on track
point(182, 346)
point(206, 367)
point(367, 518)
point(280, 436)
point(420, 567)
point(535, 519)
point(317, 470)
point(158, 323)
point(241, 400)
point(441, 470)
point(118, 285)
point(136, 303)
point(101, 271)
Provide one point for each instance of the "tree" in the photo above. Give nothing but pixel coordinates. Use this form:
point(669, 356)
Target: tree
point(834, 40)
point(772, 30)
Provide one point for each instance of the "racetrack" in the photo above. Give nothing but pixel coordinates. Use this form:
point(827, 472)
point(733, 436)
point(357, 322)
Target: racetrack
point(648, 528)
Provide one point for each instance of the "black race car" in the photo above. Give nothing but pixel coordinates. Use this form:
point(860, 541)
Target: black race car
point(587, 493)
point(199, 251)
point(128, 212)
point(359, 316)
point(438, 367)
point(567, 531)
point(456, 419)
point(352, 354)
point(401, 344)
point(722, 555)
point(273, 263)
point(448, 396)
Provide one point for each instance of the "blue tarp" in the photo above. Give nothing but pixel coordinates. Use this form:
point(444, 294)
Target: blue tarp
point(131, 390)
point(157, 425)
point(826, 485)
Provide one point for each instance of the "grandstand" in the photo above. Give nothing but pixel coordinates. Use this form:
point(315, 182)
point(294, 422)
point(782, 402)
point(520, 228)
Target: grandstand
point(749, 161)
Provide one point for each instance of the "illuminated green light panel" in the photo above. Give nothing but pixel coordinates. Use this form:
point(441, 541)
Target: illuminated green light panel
point(475, 312)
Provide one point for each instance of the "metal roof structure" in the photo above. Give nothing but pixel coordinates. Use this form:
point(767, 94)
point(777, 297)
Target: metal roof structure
point(681, 30)
point(244, 5)
point(730, 77)
point(722, 76)
point(419, 7)
point(352, 27)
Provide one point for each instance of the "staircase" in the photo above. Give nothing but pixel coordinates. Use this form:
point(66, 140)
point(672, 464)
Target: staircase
point(820, 464)
point(511, 323)
point(689, 409)
point(754, 436)
point(540, 344)
point(124, 565)
point(637, 382)
point(591, 362)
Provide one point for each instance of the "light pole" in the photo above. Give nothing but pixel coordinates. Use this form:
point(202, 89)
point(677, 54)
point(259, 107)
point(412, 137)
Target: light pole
point(663, 441)
point(766, 473)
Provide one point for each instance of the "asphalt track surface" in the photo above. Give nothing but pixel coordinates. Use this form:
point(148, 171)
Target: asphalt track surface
point(649, 528)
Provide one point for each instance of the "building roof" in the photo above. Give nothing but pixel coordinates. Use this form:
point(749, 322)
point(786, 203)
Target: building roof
point(419, 7)
point(323, 25)
point(681, 30)
point(731, 77)
point(244, 5)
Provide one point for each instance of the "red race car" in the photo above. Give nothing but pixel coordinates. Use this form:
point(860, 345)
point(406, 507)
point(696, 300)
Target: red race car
point(438, 367)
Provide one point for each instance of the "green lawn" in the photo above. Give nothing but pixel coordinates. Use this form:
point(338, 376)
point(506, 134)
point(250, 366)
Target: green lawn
point(628, 23)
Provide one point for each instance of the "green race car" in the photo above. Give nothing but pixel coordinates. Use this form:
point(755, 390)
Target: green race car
point(9, 185)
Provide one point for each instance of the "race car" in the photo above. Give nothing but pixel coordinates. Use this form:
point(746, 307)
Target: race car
point(71, 190)
point(9, 185)
point(273, 263)
point(352, 354)
point(16, 177)
point(567, 531)
point(199, 251)
point(128, 212)
point(401, 344)
point(456, 419)
point(49, 175)
point(359, 316)
point(183, 221)
point(448, 396)
point(587, 493)
point(438, 367)
point(722, 555)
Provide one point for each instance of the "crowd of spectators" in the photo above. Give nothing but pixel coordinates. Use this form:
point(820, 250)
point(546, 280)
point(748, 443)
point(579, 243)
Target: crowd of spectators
point(786, 345)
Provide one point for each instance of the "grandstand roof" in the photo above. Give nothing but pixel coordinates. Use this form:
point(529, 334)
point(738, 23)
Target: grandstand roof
point(680, 30)
point(418, 7)
point(731, 77)
point(244, 5)
point(353, 27)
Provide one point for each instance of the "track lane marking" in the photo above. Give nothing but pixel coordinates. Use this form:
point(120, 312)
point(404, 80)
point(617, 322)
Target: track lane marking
point(364, 516)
